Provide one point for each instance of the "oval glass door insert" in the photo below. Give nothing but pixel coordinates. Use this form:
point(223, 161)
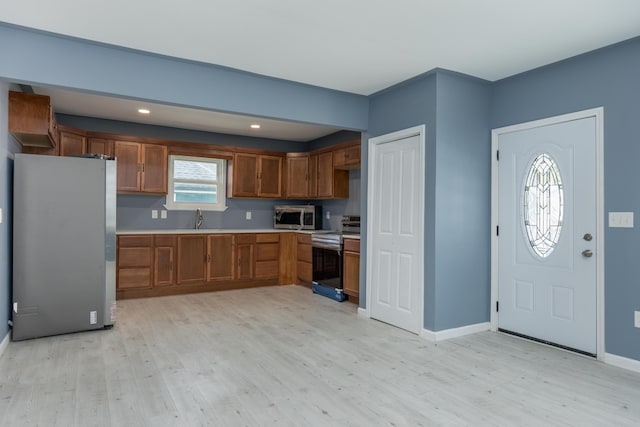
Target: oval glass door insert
point(543, 205)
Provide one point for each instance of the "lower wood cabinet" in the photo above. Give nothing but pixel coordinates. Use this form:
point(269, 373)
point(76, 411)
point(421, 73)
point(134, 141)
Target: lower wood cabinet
point(192, 255)
point(305, 266)
point(351, 269)
point(165, 260)
point(221, 257)
point(165, 264)
point(135, 262)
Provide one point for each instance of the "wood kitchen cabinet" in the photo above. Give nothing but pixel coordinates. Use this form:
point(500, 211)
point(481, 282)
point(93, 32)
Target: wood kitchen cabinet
point(142, 168)
point(32, 121)
point(351, 269)
point(298, 182)
point(267, 255)
point(72, 144)
point(221, 257)
point(332, 183)
point(347, 157)
point(256, 175)
point(100, 146)
point(134, 262)
point(245, 256)
point(305, 258)
point(164, 260)
point(192, 259)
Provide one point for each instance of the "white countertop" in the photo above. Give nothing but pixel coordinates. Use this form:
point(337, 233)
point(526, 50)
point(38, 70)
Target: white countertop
point(219, 231)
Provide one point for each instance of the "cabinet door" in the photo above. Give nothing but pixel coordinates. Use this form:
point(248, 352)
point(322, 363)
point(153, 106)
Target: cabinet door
point(192, 251)
point(128, 156)
point(298, 177)
point(71, 144)
point(351, 271)
point(221, 257)
point(163, 271)
point(154, 169)
point(270, 176)
point(100, 146)
point(245, 175)
point(325, 174)
point(245, 247)
point(313, 176)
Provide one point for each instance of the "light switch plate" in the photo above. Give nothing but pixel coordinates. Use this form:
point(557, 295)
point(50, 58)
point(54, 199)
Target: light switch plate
point(154, 214)
point(0, 215)
point(248, 215)
point(621, 219)
point(163, 214)
point(636, 319)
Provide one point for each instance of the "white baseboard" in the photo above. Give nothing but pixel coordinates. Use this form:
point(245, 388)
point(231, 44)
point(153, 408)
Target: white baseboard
point(5, 343)
point(363, 312)
point(454, 332)
point(622, 362)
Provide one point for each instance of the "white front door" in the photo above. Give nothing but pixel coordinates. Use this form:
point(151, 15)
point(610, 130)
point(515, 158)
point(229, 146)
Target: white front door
point(395, 229)
point(547, 233)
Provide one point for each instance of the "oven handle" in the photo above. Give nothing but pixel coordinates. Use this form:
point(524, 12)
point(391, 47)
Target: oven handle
point(328, 246)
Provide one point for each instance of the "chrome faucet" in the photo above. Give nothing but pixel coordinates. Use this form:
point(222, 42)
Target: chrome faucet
point(199, 218)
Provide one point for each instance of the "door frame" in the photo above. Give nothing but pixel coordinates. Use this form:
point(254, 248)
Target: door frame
point(373, 145)
point(598, 114)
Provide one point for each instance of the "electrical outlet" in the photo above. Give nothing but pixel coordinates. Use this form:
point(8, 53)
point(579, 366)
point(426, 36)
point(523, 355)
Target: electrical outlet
point(154, 214)
point(163, 214)
point(248, 215)
point(636, 320)
point(328, 215)
point(0, 215)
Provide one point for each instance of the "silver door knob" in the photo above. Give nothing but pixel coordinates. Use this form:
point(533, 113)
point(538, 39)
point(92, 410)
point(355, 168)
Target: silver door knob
point(588, 237)
point(587, 253)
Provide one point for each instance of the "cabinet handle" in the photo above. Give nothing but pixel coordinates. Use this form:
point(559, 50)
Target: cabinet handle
point(207, 258)
point(142, 164)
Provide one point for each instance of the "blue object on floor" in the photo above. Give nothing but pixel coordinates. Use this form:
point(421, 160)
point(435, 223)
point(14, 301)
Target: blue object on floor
point(329, 292)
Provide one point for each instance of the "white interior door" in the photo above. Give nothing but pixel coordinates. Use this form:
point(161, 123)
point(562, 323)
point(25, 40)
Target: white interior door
point(547, 233)
point(395, 229)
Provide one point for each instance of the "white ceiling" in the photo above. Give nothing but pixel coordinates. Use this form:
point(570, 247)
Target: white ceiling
point(358, 46)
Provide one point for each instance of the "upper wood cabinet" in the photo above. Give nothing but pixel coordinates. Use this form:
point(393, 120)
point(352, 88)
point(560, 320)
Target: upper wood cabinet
point(72, 144)
point(31, 120)
point(332, 183)
point(256, 175)
point(142, 168)
point(347, 157)
point(298, 176)
point(100, 146)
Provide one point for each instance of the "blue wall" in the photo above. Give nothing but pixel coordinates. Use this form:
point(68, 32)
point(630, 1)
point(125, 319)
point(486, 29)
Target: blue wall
point(402, 106)
point(609, 77)
point(40, 58)
point(455, 109)
point(8, 146)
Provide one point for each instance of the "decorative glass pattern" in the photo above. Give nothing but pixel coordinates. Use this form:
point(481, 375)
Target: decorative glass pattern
point(543, 205)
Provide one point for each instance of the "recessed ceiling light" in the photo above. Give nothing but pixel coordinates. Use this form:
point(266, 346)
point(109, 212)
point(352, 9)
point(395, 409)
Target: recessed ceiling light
point(144, 111)
point(255, 126)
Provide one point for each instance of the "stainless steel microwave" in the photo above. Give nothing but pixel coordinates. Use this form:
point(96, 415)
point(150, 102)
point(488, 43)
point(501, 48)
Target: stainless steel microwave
point(298, 217)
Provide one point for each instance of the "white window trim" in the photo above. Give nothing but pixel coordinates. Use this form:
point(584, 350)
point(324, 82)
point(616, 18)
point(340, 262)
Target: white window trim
point(222, 187)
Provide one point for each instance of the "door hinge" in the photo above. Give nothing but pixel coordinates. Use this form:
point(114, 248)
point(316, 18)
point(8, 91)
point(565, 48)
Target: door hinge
point(497, 306)
point(498, 155)
point(497, 230)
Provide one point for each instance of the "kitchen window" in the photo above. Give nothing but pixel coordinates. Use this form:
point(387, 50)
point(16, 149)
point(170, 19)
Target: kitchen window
point(196, 183)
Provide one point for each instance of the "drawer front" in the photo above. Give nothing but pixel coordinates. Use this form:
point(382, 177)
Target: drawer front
point(134, 278)
point(165, 240)
point(266, 269)
point(134, 257)
point(267, 237)
point(352, 245)
point(245, 238)
point(131, 241)
point(304, 238)
point(267, 251)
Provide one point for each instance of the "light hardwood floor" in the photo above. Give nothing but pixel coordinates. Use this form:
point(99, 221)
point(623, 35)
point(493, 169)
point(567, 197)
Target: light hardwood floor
point(283, 356)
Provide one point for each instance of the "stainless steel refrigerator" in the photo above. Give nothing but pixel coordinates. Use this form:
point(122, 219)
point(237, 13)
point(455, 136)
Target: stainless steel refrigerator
point(64, 245)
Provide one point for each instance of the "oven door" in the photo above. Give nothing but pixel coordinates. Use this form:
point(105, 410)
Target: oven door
point(327, 266)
